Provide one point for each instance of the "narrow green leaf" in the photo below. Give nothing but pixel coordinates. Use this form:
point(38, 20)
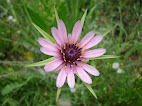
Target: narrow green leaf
point(14, 86)
point(56, 14)
point(41, 63)
point(83, 17)
point(105, 57)
point(90, 88)
point(108, 31)
point(58, 93)
point(44, 34)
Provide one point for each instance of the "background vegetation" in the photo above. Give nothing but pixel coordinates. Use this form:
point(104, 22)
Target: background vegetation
point(20, 86)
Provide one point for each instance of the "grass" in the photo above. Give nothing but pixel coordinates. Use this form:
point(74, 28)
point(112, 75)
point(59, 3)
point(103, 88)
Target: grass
point(32, 86)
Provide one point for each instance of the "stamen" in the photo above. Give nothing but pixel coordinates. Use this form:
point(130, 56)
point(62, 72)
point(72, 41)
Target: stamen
point(64, 46)
point(69, 61)
point(81, 56)
point(79, 44)
point(65, 67)
point(70, 41)
point(83, 46)
point(71, 65)
point(78, 65)
point(64, 54)
point(74, 42)
point(61, 49)
point(82, 52)
point(78, 59)
point(83, 60)
point(65, 60)
point(67, 41)
point(73, 62)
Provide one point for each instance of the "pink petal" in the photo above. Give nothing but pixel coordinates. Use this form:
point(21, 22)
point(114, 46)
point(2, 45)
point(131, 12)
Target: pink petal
point(83, 75)
point(71, 78)
point(56, 35)
point(69, 37)
point(45, 43)
point(76, 31)
point(89, 68)
point(61, 78)
point(59, 67)
point(97, 39)
point(74, 69)
point(53, 65)
point(94, 53)
point(49, 51)
point(62, 30)
point(68, 67)
point(87, 38)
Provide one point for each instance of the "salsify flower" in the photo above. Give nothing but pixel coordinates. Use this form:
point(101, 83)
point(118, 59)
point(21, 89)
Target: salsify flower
point(70, 53)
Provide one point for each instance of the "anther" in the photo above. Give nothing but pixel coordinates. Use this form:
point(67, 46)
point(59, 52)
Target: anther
point(64, 46)
point(65, 60)
point(76, 44)
point(67, 41)
point(70, 41)
point(79, 44)
point(82, 51)
point(81, 56)
point(78, 59)
point(71, 65)
point(83, 46)
point(69, 61)
point(83, 60)
point(73, 62)
point(61, 49)
point(65, 67)
point(78, 65)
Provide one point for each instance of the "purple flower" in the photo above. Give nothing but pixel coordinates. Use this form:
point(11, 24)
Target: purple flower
point(70, 52)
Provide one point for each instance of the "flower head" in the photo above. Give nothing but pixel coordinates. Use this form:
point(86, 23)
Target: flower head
point(10, 18)
point(115, 65)
point(120, 71)
point(70, 53)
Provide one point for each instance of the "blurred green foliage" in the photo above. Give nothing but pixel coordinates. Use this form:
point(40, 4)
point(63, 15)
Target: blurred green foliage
point(32, 86)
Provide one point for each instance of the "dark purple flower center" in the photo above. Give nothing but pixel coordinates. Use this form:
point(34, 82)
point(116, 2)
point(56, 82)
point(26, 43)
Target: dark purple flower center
point(71, 52)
